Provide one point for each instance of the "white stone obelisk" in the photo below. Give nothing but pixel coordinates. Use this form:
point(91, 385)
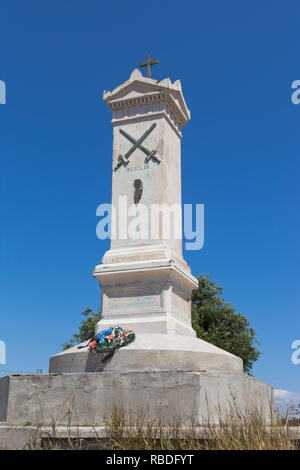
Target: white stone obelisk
point(146, 284)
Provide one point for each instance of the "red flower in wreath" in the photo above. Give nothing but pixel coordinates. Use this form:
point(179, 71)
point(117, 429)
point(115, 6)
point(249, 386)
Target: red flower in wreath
point(92, 344)
point(110, 336)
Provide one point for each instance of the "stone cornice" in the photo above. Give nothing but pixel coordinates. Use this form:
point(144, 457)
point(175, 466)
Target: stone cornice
point(140, 91)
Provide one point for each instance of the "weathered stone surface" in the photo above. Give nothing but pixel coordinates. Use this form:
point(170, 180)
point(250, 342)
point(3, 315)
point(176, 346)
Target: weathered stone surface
point(84, 398)
point(18, 437)
point(150, 296)
point(150, 352)
point(4, 391)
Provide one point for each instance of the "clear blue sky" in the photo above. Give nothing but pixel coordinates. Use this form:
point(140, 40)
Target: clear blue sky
point(240, 153)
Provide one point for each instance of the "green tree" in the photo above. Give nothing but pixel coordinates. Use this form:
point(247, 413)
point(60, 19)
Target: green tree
point(218, 323)
point(86, 328)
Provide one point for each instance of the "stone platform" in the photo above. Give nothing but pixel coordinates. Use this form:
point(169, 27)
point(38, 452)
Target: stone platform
point(150, 353)
point(182, 378)
point(84, 398)
point(87, 437)
point(172, 374)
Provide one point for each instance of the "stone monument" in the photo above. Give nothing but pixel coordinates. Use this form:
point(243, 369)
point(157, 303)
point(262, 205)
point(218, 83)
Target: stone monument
point(146, 286)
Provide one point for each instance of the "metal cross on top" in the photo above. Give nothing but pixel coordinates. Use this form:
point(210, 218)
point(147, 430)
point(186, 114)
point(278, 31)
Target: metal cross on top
point(148, 64)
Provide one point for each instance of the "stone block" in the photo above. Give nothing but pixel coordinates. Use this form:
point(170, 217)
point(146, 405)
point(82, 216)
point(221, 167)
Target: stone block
point(84, 398)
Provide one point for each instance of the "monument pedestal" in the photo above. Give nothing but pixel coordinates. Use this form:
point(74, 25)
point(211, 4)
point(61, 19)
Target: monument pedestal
point(83, 399)
point(150, 353)
point(147, 294)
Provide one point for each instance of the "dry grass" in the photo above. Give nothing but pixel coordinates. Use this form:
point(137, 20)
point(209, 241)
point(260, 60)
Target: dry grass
point(250, 432)
point(125, 430)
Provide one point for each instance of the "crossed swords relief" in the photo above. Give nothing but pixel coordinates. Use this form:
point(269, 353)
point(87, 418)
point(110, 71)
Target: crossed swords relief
point(150, 154)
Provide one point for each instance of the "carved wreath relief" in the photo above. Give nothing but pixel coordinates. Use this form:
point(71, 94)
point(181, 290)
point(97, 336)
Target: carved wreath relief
point(150, 154)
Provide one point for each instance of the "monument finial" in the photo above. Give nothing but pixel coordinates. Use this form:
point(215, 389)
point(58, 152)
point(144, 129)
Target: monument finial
point(148, 64)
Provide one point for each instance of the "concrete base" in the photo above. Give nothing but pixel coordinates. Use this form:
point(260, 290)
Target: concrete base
point(149, 353)
point(89, 437)
point(84, 398)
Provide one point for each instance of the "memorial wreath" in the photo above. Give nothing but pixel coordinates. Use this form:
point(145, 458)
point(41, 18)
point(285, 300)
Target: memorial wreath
point(108, 341)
